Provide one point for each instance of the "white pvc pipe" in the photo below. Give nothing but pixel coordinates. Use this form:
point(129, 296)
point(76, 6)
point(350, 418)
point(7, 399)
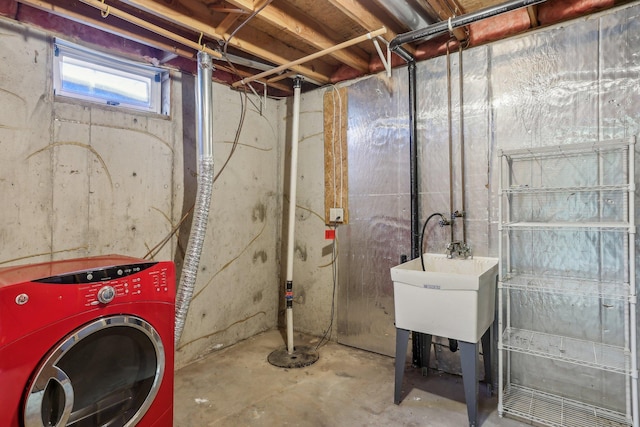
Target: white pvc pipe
point(632, 284)
point(292, 211)
point(500, 279)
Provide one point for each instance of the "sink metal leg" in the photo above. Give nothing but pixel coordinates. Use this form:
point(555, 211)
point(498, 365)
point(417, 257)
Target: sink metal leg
point(402, 341)
point(469, 361)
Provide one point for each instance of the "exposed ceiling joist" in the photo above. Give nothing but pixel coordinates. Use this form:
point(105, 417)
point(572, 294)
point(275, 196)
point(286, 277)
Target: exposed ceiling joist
point(106, 25)
point(444, 12)
point(269, 50)
point(227, 23)
point(296, 37)
point(112, 27)
point(533, 15)
point(306, 32)
point(308, 58)
point(358, 13)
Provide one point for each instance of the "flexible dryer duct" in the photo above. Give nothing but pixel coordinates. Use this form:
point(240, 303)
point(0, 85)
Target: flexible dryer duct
point(204, 139)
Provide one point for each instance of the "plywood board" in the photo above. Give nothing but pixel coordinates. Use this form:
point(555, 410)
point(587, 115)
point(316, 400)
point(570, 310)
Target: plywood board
point(336, 188)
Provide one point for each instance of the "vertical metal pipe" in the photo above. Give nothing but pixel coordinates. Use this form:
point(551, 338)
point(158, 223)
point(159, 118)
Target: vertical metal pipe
point(461, 131)
point(416, 251)
point(450, 127)
point(292, 211)
point(204, 140)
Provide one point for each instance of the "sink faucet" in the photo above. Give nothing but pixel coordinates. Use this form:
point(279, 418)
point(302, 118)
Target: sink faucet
point(458, 248)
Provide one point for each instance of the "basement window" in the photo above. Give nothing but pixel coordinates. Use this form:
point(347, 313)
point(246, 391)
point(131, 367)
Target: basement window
point(88, 75)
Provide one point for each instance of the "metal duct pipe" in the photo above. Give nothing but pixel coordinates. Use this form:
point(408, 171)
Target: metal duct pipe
point(204, 140)
point(409, 15)
point(459, 21)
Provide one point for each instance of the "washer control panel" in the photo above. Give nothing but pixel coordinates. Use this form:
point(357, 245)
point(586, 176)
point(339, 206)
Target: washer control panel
point(120, 283)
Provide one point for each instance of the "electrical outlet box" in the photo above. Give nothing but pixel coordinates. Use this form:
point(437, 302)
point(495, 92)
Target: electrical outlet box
point(336, 215)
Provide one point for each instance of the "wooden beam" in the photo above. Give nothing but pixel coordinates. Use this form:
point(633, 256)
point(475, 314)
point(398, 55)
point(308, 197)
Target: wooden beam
point(360, 14)
point(108, 10)
point(118, 30)
point(282, 76)
point(273, 52)
point(302, 30)
point(442, 8)
point(533, 15)
point(308, 58)
point(227, 22)
point(189, 8)
point(336, 171)
point(107, 26)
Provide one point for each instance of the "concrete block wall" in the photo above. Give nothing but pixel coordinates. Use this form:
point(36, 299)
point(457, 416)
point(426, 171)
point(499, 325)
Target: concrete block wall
point(237, 289)
point(80, 179)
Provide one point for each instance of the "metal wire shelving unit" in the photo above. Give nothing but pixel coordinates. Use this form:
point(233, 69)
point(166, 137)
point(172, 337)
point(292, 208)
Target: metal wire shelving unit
point(559, 199)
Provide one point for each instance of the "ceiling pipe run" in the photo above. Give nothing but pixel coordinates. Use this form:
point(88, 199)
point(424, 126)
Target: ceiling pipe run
point(459, 21)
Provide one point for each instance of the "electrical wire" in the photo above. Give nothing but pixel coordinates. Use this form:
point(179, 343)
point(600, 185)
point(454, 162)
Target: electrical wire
point(232, 35)
point(334, 272)
point(243, 111)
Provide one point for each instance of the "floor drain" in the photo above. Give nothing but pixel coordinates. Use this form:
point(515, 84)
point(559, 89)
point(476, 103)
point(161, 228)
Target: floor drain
point(300, 357)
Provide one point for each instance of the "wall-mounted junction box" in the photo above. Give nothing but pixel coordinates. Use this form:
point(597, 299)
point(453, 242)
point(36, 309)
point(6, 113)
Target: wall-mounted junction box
point(336, 215)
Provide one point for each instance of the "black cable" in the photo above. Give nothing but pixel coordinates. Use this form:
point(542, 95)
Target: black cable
point(334, 271)
point(424, 227)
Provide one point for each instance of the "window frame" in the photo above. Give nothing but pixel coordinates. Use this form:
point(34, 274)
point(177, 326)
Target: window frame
point(156, 77)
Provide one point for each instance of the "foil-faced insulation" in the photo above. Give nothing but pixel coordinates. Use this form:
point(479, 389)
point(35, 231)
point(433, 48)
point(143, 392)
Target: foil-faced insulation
point(378, 232)
point(560, 85)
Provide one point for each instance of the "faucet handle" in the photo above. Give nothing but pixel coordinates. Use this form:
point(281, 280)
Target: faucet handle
point(465, 250)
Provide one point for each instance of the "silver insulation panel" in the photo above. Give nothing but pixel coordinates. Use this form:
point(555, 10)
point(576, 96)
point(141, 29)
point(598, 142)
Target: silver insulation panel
point(379, 211)
point(570, 84)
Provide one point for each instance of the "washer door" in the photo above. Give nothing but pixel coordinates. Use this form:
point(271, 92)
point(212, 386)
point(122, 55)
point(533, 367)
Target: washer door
point(106, 373)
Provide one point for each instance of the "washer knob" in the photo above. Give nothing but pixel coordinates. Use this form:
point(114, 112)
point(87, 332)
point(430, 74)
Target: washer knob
point(106, 294)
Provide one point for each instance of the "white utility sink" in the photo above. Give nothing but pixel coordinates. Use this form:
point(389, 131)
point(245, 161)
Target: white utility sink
point(453, 298)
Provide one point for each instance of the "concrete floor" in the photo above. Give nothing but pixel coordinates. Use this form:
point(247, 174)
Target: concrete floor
point(345, 387)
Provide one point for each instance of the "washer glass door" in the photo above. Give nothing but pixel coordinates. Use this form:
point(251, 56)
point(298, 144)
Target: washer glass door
point(106, 373)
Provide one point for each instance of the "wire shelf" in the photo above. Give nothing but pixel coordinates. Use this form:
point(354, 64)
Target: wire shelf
point(568, 149)
point(525, 189)
point(571, 350)
point(589, 226)
point(557, 411)
point(568, 286)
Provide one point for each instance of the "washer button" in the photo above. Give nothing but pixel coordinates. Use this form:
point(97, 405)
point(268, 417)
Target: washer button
point(106, 294)
point(22, 299)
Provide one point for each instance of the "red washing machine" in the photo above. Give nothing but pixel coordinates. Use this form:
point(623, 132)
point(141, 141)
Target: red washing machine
point(87, 342)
